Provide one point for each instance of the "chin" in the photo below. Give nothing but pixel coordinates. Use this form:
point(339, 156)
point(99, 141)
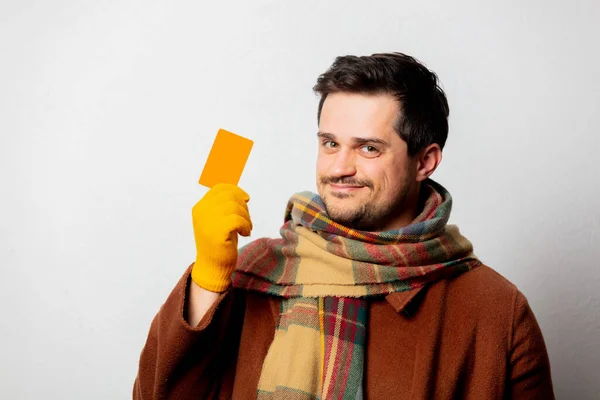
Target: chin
point(341, 215)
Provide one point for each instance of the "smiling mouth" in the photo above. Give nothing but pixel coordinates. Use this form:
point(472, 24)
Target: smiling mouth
point(345, 188)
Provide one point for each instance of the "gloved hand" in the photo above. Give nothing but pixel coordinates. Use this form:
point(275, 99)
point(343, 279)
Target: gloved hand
point(218, 218)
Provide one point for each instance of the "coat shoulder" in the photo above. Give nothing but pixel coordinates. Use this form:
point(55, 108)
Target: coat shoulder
point(483, 291)
point(484, 281)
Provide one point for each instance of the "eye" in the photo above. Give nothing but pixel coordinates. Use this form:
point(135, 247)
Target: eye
point(327, 142)
point(370, 149)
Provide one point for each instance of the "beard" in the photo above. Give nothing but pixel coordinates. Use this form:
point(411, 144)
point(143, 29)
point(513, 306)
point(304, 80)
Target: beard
point(364, 213)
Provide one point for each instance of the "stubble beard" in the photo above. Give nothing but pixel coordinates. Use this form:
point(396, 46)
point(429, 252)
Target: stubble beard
point(367, 215)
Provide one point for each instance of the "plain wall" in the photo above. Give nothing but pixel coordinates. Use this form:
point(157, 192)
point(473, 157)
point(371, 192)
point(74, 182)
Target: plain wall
point(108, 110)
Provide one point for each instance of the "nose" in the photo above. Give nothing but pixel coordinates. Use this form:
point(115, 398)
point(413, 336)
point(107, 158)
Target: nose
point(343, 164)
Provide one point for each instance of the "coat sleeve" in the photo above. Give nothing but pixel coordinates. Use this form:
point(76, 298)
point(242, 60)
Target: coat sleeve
point(179, 361)
point(530, 376)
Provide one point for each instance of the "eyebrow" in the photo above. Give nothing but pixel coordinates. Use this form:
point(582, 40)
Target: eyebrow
point(357, 140)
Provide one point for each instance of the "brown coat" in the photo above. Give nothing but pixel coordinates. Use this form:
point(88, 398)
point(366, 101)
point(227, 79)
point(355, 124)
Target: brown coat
point(472, 337)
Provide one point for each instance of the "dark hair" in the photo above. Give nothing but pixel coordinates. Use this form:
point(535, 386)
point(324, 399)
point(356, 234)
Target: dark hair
point(424, 110)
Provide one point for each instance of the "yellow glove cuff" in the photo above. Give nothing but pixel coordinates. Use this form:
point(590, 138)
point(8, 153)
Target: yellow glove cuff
point(212, 278)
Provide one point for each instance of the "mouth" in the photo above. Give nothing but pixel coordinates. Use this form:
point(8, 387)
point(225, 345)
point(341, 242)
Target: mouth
point(345, 188)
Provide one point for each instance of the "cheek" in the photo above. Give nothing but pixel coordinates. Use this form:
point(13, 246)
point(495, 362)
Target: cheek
point(397, 182)
point(322, 165)
point(386, 177)
point(376, 174)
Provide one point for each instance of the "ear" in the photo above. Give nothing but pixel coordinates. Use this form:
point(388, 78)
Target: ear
point(428, 160)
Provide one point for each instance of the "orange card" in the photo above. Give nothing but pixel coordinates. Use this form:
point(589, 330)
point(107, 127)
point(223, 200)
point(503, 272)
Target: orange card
point(226, 159)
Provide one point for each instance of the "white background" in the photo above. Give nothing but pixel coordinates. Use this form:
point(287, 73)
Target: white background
point(108, 110)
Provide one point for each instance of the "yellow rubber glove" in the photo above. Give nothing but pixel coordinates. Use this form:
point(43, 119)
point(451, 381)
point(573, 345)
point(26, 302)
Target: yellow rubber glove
point(218, 218)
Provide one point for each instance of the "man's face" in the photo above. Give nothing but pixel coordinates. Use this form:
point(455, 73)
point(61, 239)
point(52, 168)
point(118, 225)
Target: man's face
point(364, 174)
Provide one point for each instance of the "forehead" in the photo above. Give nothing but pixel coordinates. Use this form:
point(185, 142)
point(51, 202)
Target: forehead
point(355, 114)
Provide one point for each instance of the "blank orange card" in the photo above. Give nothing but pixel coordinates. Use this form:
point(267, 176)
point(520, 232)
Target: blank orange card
point(226, 160)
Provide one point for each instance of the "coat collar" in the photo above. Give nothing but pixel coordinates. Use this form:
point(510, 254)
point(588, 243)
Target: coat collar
point(406, 302)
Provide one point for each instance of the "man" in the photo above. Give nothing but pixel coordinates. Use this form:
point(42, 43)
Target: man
point(368, 293)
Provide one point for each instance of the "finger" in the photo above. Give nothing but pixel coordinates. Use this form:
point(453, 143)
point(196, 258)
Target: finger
point(233, 208)
point(226, 197)
point(213, 200)
point(221, 188)
point(236, 223)
point(215, 212)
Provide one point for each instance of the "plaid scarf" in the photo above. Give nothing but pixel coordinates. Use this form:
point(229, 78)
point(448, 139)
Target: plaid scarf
point(325, 273)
